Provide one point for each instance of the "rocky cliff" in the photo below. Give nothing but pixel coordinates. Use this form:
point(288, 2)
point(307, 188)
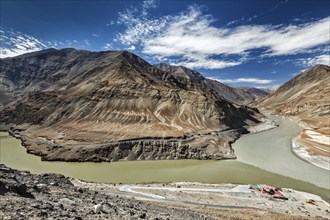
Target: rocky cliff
point(95, 105)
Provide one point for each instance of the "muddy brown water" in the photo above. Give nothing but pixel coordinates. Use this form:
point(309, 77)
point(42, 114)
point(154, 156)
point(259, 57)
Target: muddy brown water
point(262, 158)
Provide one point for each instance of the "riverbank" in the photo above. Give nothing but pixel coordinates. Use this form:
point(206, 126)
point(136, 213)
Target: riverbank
point(215, 145)
point(312, 143)
point(52, 196)
point(301, 151)
point(265, 125)
point(271, 151)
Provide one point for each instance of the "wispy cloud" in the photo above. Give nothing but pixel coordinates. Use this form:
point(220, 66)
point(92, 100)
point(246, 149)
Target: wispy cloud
point(107, 46)
point(206, 63)
point(194, 41)
point(16, 43)
point(147, 4)
point(312, 61)
point(279, 5)
point(297, 73)
point(244, 80)
point(271, 88)
point(132, 47)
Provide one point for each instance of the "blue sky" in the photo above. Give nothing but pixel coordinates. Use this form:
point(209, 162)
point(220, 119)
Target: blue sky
point(241, 43)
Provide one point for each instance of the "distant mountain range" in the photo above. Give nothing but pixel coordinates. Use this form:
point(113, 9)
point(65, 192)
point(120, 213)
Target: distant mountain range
point(78, 105)
point(237, 95)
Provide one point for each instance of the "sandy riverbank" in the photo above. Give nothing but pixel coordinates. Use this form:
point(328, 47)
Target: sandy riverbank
point(313, 143)
point(265, 125)
point(310, 145)
point(301, 151)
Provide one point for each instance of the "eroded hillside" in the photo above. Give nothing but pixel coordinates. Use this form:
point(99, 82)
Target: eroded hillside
point(104, 106)
point(306, 98)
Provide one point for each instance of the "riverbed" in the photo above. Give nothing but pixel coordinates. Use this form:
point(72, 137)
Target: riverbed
point(271, 151)
point(256, 163)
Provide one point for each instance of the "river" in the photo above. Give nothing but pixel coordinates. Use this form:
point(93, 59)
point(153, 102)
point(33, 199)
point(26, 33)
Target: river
point(262, 158)
point(271, 151)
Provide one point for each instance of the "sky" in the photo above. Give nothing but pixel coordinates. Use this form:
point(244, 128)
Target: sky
point(239, 42)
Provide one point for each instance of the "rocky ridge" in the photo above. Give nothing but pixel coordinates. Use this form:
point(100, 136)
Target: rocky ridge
point(237, 95)
point(305, 98)
point(105, 106)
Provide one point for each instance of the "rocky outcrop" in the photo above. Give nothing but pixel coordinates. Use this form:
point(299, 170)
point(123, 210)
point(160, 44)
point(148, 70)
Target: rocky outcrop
point(88, 102)
point(52, 196)
point(196, 146)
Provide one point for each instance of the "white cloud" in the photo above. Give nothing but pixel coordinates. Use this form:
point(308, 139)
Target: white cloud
point(131, 47)
point(279, 5)
point(192, 39)
point(271, 88)
point(16, 43)
point(297, 73)
point(207, 64)
point(95, 35)
point(244, 80)
point(111, 22)
point(108, 46)
point(313, 61)
point(147, 4)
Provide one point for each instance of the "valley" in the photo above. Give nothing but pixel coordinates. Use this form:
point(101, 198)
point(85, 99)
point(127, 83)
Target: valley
point(161, 110)
point(111, 117)
point(305, 99)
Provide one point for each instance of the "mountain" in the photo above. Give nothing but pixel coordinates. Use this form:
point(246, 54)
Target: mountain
point(305, 95)
point(270, 89)
point(306, 98)
point(240, 96)
point(256, 92)
point(78, 105)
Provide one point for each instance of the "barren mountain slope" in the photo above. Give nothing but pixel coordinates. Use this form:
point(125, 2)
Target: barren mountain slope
point(114, 105)
point(306, 97)
point(240, 96)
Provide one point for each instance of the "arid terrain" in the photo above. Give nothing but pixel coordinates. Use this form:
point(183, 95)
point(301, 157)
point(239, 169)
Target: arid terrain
point(237, 95)
point(305, 99)
point(70, 105)
point(157, 109)
point(52, 196)
point(106, 106)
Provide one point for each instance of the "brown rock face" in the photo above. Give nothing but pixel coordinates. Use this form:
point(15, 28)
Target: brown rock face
point(306, 95)
point(80, 104)
point(307, 98)
point(237, 95)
